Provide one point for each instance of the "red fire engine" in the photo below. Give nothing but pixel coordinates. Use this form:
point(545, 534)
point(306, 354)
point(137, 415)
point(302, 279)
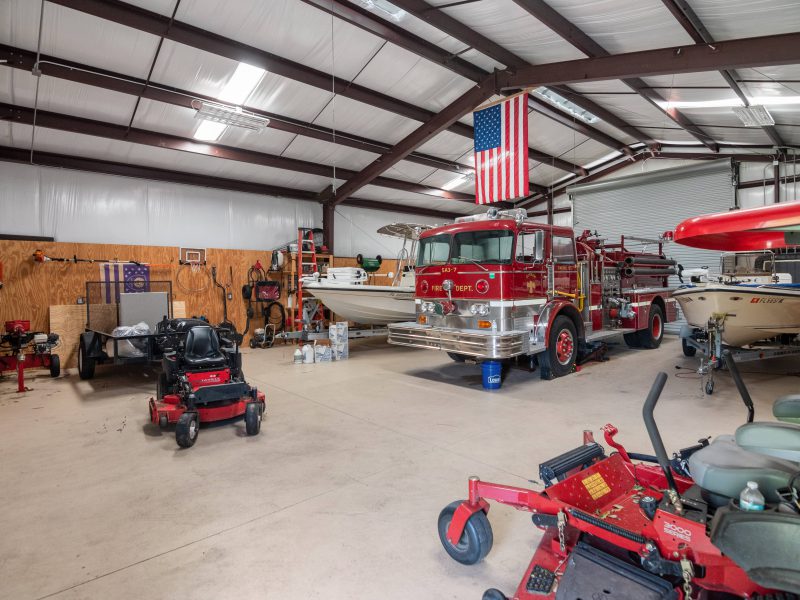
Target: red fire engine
point(498, 286)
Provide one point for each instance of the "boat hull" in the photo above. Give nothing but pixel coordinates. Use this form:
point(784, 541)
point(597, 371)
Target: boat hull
point(752, 313)
point(366, 304)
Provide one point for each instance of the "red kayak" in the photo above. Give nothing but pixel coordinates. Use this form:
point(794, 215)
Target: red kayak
point(762, 228)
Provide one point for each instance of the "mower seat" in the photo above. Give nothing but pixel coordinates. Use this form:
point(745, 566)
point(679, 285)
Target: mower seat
point(781, 440)
point(787, 408)
point(202, 349)
point(723, 468)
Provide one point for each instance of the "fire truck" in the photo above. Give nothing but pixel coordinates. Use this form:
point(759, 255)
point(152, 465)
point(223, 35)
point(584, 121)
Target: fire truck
point(500, 287)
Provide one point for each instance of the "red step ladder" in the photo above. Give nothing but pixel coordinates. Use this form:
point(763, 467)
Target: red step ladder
point(306, 265)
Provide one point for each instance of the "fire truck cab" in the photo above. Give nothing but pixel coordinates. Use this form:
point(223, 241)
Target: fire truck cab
point(498, 286)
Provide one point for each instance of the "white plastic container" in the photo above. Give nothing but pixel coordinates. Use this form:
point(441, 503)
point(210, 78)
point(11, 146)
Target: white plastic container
point(298, 357)
point(751, 498)
point(308, 354)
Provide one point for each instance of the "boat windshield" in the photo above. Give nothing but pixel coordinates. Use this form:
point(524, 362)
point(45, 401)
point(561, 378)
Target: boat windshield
point(482, 247)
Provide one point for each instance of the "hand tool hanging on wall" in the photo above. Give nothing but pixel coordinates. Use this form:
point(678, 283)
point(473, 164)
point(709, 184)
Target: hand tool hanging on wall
point(225, 324)
point(41, 257)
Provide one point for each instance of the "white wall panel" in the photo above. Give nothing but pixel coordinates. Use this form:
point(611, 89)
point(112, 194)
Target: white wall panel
point(74, 206)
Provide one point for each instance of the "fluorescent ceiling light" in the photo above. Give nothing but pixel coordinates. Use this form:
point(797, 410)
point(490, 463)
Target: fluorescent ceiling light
point(229, 115)
point(565, 105)
point(603, 159)
point(754, 116)
point(457, 181)
point(732, 102)
point(209, 131)
point(387, 8)
point(241, 84)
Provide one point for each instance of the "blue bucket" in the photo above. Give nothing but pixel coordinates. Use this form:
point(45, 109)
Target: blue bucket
point(492, 371)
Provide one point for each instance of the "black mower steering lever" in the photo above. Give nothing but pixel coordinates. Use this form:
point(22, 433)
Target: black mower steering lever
point(655, 438)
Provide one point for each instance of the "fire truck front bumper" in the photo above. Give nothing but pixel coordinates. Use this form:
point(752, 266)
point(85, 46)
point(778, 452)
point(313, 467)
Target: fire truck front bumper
point(469, 342)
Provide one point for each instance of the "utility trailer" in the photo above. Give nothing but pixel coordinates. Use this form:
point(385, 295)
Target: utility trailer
point(500, 287)
point(113, 304)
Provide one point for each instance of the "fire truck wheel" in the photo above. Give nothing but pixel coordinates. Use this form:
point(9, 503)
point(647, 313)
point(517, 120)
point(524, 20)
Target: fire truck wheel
point(187, 428)
point(55, 365)
point(493, 594)
point(652, 336)
point(459, 358)
point(475, 542)
point(252, 418)
point(85, 363)
point(562, 348)
point(688, 350)
point(631, 339)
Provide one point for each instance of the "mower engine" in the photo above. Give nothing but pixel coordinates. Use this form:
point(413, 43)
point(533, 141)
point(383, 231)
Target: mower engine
point(16, 340)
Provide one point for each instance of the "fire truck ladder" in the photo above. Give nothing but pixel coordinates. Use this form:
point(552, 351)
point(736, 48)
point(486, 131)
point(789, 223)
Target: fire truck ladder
point(306, 266)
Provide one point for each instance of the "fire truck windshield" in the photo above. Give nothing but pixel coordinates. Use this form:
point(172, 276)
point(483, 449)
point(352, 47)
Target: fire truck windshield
point(483, 247)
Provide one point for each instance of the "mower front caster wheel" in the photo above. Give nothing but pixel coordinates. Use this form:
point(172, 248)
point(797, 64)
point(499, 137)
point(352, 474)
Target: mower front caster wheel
point(252, 418)
point(710, 387)
point(187, 429)
point(476, 540)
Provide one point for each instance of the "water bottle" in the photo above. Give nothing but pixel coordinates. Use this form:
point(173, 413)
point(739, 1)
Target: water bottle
point(751, 498)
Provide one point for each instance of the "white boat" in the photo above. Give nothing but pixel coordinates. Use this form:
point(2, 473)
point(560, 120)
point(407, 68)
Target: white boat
point(747, 303)
point(350, 295)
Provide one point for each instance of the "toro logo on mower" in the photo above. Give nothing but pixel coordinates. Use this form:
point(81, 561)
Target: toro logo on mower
point(676, 531)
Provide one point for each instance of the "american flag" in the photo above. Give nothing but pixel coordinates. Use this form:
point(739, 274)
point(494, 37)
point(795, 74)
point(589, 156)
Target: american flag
point(501, 151)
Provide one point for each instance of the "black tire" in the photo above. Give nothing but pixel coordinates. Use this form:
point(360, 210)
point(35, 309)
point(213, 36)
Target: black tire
point(688, 350)
point(359, 259)
point(651, 337)
point(379, 259)
point(162, 387)
point(493, 594)
point(86, 363)
point(55, 365)
point(252, 343)
point(459, 358)
point(710, 387)
point(562, 349)
point(252, 418)
point(632, 339)
point(187, 429)
point(475, 542)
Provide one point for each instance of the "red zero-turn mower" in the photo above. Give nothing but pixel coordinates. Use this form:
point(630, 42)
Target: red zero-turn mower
point(27, 349)
point(615, 529)
point(202, 381)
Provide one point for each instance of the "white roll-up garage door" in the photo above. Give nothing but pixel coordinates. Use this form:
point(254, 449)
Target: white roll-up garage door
point(649, 204)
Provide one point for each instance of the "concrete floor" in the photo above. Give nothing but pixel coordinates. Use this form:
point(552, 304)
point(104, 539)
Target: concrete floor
point(339, 495)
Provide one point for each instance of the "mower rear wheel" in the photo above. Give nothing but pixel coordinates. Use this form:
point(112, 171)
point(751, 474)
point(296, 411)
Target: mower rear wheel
point(688, 350)
point(187, 428)
point(252, 418)
point(475, 542)
point(85, 362)
point(55, 365)
point(493, 594)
